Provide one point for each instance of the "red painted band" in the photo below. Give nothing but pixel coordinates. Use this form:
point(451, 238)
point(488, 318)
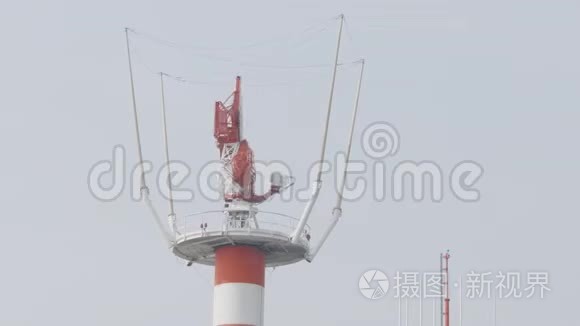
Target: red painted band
point(239, 264)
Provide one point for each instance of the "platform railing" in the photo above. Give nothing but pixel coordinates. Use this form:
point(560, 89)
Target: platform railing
point(209, 221)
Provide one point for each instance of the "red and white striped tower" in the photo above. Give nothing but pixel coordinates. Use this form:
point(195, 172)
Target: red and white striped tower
point(239, 286)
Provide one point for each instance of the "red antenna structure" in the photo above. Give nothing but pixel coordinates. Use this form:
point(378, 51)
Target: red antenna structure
point(235, 152)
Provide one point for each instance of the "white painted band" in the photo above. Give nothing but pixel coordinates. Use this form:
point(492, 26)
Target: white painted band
point(238, 304)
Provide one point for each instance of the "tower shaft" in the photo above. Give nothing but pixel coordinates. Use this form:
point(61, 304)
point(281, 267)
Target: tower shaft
point(239, 286)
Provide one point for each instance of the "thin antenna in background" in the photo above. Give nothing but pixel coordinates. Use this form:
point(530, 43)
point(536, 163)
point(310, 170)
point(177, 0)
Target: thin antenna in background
point(442, 286)
point(460, 302)
point(406, 311)
point(434, 311)
point(421, 307)
point(399, 314)
point(494, 309)
point(447, 299)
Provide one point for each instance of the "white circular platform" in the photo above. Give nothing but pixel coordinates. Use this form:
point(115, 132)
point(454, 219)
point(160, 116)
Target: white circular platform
point(271, 234)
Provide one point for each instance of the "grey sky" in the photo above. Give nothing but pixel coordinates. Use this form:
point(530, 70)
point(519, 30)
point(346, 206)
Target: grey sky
point(491, 81)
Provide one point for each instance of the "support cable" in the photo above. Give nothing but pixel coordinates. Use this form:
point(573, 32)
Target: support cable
point(317, 184)
point(135, 115)
point(169, 238)
point(339, 197)
point(337, 211)
point(313, 28)
point(171, 217)
point(143, 186)
point(212, 56)
point(329, 109)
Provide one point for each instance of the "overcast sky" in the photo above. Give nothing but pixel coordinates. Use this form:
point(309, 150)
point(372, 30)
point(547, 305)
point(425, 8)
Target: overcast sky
point(495, 82)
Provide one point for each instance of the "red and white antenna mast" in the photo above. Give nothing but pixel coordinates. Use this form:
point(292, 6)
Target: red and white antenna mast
point(239, 240)
point(445, 300)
